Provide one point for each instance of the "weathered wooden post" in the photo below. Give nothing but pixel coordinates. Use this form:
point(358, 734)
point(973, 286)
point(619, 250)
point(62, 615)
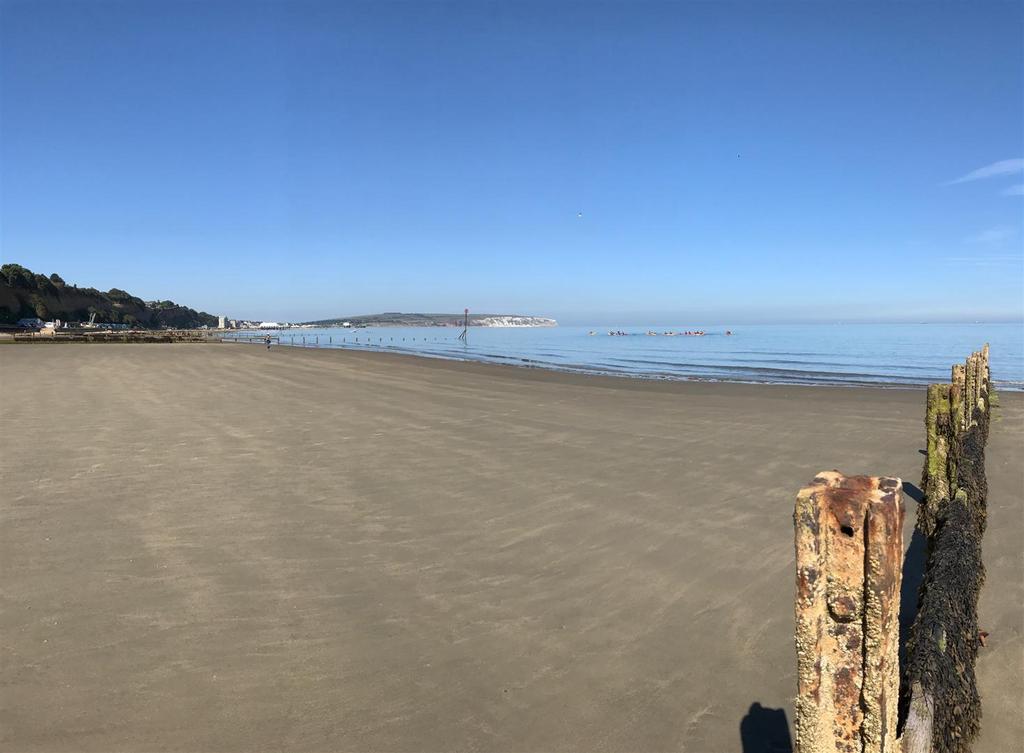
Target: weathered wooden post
point(943, 707)
point(849, 552)
point(939, 417)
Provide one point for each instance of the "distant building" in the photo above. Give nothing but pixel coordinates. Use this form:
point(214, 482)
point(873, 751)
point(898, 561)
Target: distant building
point(269, 325)
point(32, 321)
point(346, 324)
point(222, 322)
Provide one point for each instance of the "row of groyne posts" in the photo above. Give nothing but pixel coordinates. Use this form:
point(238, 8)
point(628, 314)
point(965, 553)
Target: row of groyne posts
point(203, 336)
point(853, 696)
point(315, 341)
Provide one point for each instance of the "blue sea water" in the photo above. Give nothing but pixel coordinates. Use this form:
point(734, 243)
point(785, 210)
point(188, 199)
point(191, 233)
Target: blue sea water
point(845, 354)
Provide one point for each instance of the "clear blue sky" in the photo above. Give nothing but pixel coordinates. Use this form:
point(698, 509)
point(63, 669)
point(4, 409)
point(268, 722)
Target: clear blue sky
point(733, 162)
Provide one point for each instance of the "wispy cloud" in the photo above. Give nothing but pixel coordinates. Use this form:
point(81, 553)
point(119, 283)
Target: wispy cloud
point(1016, 262)
point(1003, 167)
point(1017, 190)
point(993, 235)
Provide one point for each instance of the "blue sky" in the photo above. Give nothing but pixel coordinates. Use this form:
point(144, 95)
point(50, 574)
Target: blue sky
point(732, 162)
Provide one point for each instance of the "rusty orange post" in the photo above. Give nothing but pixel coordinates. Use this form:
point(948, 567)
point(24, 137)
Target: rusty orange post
point(849, 558)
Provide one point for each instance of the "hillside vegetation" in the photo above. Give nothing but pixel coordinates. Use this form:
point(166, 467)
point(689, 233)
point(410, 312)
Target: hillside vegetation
point(24, 293)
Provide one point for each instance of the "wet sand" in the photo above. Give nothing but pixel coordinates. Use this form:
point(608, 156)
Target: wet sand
point(221, 548)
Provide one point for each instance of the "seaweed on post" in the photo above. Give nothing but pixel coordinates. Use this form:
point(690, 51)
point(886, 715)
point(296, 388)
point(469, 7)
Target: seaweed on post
point(942, 708)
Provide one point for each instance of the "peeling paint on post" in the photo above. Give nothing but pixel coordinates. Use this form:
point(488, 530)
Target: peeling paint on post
point(849, 553)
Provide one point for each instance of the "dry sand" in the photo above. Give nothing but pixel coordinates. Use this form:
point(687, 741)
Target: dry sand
point(220, 548)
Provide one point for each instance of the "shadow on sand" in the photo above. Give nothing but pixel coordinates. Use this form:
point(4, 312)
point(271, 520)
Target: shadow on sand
point(913, 575)
point(765, 730)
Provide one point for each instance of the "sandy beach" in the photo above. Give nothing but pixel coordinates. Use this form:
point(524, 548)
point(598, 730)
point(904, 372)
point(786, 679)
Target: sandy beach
point(221, 548)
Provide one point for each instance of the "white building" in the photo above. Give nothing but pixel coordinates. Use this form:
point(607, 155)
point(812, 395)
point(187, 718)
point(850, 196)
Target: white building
point(222, 322)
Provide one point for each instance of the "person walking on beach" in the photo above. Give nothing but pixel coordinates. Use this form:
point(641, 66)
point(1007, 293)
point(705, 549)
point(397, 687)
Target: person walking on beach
point(268, 342)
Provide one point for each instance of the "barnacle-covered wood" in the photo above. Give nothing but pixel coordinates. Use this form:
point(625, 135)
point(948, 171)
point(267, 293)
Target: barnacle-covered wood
point(942, 705)
point(938, 431)
point(849, 550)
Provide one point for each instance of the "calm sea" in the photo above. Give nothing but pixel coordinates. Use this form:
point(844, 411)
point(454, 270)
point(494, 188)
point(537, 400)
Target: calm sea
point(852, 354)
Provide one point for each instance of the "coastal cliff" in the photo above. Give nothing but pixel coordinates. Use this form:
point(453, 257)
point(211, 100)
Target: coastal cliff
point(25, 294)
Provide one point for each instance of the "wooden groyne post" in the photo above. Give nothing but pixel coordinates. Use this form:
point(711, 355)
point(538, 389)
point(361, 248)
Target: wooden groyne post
point(849, 547)
point(940, 694)
point(849, 551)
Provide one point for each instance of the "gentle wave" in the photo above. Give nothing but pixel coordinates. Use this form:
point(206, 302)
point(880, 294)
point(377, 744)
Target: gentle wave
point(836, 364)
point(876, 355)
